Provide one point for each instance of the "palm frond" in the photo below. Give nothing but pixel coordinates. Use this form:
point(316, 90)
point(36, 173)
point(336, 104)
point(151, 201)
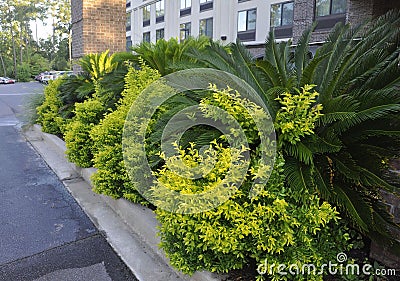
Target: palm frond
point(251, 74)
point(298, 177)
point(301, 54)
point(370, 179)
point(364, 115)
point(329, 118)
point(345, 165)
point(343, 103)
point(300, 152)
point(322, 182)
point(355, 206)
point(308, 73)
point(322, 144)
point(277, 54)
point(270, 71)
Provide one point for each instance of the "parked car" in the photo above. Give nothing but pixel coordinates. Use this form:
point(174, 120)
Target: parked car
point(38, 77)
point(45, 77)
point(7, 80)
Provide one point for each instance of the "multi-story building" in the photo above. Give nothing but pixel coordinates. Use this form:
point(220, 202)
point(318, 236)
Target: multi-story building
point(99, 25)
point(248, 20)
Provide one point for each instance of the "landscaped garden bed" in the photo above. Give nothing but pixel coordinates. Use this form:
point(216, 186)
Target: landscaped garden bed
point(335, 120)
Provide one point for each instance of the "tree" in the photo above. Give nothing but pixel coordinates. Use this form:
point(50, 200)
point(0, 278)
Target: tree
point(18, 45)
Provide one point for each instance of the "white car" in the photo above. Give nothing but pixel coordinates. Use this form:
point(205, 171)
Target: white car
point(53, 75)
point(7, 80)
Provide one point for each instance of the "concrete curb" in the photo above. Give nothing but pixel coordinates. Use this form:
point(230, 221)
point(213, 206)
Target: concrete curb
point(130, 228)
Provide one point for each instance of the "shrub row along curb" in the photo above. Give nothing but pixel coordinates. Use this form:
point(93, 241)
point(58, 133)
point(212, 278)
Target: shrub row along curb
point(140, 220)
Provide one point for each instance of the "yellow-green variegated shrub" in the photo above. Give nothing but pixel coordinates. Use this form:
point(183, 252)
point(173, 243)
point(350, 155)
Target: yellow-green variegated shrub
point(49, 111)
point(77, 139)
point(111, 177)
point(297, 116)
point(273, 227)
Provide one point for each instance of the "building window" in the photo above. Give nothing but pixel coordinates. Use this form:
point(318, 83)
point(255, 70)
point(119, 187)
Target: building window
point(206, 27)
point(282, 19)
point(159, 34)
point(247, 25)
point(186, 4)
point(146, 15)
point(128, 22)
point(128, 43)
point(329, 12)
point(186, 7)
point(146, 37)
point(186, 30)
point(206, 5)
point(128, 4)
point(160, 7)
point(247, 20)
point(282, 14)
point(330, 7)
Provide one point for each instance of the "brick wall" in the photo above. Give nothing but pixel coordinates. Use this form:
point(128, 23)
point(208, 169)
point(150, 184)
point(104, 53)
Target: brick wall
point(303, 17)
point(378, 252)
point(77, 28)
point(357, 12)
point(98, 25)
point(379, 7)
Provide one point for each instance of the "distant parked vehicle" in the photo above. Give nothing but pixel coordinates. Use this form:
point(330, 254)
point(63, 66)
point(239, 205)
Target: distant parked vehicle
point(38, 77)
point(47, 76)
point(7, 80)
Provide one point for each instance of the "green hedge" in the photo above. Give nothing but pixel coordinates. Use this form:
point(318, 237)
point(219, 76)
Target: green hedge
point(280, 225)
point(77, 138)
point(49, 111)
point(111, 177)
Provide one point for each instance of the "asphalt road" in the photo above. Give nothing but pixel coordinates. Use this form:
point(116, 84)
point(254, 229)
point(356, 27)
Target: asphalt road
point(44, 234)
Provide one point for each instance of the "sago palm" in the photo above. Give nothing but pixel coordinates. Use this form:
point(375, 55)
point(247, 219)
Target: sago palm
point(357, 76)
point(168, 56)
point(107, 71)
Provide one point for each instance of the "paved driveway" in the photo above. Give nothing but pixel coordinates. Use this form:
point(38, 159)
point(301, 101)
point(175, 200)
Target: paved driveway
point(44, 234)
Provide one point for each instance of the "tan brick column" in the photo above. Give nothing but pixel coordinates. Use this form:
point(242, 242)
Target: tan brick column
point(98, 25)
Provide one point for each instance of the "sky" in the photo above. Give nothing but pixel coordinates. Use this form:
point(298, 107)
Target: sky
point(43, 31)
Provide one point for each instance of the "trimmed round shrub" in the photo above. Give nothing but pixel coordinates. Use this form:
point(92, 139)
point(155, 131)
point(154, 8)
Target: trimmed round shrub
point(77, 139)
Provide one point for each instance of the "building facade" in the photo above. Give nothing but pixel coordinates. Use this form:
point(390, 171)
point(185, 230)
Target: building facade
point(248, 20)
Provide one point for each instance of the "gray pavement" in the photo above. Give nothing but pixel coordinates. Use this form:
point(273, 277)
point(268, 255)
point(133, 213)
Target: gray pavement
point(44, 233)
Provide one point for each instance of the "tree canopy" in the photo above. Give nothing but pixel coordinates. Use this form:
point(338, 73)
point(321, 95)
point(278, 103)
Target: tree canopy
point(22, 55)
